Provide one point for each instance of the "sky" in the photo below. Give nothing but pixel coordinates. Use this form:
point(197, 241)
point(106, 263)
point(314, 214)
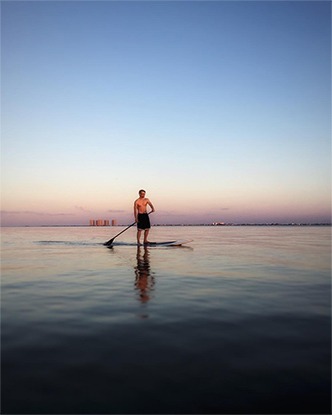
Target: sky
point(220, 110)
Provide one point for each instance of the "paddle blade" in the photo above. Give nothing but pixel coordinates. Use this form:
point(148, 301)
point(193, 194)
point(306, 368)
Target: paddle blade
point(108, 243)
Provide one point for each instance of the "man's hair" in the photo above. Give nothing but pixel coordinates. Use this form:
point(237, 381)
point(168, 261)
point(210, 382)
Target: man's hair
point(142, 190)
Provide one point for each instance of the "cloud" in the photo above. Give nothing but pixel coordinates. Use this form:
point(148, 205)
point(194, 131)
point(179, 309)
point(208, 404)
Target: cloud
point(82, 209)
point(171, 213)
point(59, 214)
point(115, 211)
point(31, 212)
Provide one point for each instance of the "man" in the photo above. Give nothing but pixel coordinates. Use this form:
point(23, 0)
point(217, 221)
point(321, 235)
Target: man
point(141, 216)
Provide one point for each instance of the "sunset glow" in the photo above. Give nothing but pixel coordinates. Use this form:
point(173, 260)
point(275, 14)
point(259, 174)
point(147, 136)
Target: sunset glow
point(220, 110)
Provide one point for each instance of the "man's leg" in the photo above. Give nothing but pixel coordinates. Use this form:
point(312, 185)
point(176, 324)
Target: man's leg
point(146, 234)
point(139, 231)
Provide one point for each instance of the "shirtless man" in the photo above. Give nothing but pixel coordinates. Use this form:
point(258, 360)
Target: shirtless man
point(141, 216)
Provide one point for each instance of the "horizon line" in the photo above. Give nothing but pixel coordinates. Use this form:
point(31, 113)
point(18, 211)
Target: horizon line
point(176, 224)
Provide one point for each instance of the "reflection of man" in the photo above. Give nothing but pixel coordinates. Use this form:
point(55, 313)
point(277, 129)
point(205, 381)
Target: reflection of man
point(144, 282)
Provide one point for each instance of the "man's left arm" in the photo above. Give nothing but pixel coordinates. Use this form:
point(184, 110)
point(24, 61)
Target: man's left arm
point(151, 205)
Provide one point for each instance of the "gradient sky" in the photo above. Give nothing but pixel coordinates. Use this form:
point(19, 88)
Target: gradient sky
point(220, 110)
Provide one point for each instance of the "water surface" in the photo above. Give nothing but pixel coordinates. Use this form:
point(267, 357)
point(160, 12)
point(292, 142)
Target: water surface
point(236, 322)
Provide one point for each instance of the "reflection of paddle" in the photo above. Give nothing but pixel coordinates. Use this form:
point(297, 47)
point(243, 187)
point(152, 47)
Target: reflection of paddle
point(108, 243)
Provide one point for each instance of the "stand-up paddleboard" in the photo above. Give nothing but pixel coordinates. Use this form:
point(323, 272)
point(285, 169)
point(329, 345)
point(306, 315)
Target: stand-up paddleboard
point(152, 244)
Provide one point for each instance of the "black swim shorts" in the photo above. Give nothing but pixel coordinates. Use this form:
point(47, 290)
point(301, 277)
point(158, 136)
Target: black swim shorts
point(143, 221)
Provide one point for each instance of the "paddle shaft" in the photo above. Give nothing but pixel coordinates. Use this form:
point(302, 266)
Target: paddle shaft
point(124, 230)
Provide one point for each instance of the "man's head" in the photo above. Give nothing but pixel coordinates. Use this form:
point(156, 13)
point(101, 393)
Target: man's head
point(142, 193)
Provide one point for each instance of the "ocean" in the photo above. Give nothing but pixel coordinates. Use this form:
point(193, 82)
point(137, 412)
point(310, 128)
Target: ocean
point(236, 322)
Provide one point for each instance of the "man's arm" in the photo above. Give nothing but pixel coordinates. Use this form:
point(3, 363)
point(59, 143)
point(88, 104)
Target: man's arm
point(135, 210)
point(151, 205)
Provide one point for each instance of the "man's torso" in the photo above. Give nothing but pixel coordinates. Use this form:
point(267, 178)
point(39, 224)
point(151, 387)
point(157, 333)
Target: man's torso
point(141, 205)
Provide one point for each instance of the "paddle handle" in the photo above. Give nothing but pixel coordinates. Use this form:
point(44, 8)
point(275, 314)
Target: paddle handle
point(124, 230)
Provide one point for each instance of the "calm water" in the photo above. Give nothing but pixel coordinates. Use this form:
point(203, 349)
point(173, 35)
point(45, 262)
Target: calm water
point(237, 322)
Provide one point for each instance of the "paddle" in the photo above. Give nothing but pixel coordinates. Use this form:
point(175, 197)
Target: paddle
point(108, 243)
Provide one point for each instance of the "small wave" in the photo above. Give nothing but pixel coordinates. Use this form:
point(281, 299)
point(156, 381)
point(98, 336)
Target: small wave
point(68, 243)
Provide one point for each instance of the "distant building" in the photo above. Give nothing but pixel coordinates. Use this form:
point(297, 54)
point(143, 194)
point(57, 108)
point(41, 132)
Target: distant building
point(114, 222)
point(99, 222)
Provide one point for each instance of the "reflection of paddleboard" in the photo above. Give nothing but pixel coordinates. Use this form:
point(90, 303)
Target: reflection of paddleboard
point(151, 244)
